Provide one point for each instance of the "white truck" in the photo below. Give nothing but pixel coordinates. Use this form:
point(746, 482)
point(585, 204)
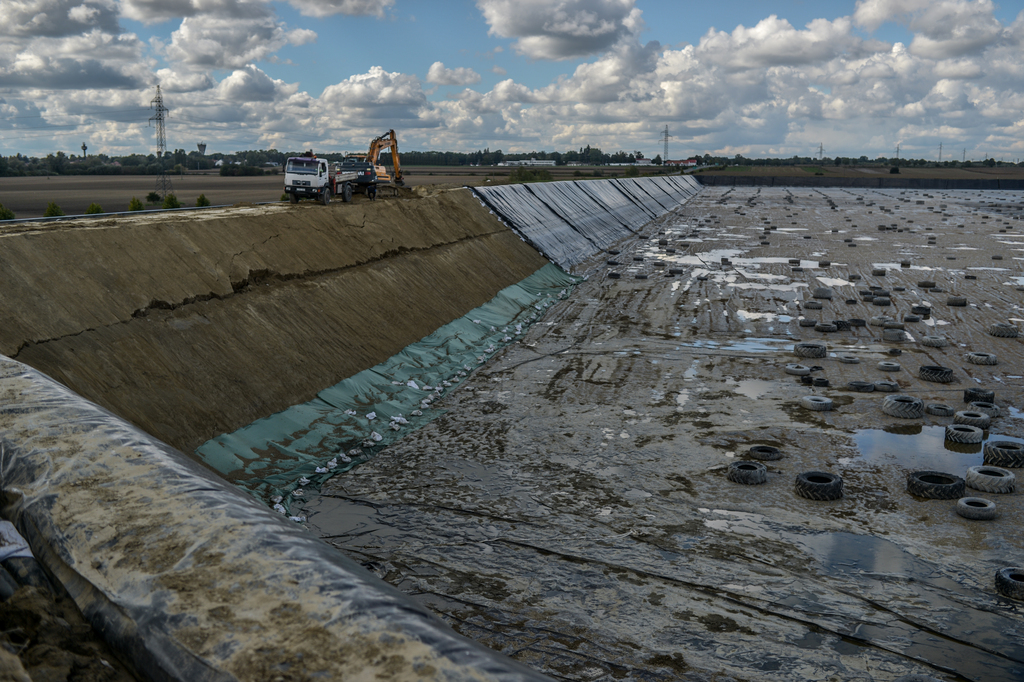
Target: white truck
point(307, 177)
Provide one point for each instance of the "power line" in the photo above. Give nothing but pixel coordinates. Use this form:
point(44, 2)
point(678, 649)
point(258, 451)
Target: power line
point(163, 183)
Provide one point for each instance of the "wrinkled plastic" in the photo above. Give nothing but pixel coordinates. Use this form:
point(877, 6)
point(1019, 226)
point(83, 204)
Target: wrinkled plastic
point(570, 222)
point(334, 433)
point(188, 577)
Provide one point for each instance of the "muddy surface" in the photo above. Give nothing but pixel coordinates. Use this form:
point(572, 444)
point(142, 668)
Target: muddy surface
point(571, 508)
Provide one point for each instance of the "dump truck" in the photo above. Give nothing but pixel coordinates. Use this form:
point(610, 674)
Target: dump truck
point(308, 177)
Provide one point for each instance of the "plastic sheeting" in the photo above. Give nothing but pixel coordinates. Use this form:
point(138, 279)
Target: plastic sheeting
point(190, 578)
point(570, 222)
point(347, 422)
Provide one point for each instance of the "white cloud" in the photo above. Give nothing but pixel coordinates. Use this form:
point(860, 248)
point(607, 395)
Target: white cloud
point(226, 42)
point(439, 75)
point(562, 29)
point(942, 28)
point(324, 8)
point(54, 18)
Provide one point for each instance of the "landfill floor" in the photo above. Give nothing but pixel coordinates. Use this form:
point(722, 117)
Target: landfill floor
point(570, 507)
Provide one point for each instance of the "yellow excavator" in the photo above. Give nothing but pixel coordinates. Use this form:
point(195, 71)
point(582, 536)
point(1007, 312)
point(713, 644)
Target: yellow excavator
point(377, 146)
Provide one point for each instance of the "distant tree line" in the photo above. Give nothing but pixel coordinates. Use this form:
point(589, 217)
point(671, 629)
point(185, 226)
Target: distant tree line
point(588, 156)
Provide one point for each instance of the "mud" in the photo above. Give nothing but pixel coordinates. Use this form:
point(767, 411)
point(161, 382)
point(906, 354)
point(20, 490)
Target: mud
point(190, 326)
point(571, 508)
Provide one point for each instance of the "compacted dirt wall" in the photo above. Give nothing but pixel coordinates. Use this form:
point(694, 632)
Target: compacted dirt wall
point(191, 325)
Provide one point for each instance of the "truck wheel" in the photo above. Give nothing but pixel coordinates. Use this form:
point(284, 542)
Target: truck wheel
point(294, 198)
point(346, 192)
point(327, 196)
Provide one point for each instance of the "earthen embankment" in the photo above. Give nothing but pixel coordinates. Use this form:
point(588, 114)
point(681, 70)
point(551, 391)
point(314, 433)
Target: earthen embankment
point(194, 325)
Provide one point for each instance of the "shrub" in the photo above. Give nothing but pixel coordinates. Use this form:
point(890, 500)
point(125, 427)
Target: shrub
point(202, 200)
point(52, 210)
point(135, 205)
point(632, 172)
point(171, 201)
point(93, 208)
point(6, 213)
point(521, 174)
point(152, 197)
point(894, 170)
point(284, 196)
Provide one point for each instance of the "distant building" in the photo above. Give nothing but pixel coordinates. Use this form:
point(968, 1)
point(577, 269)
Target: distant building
point(688, 163)
point(527, 162)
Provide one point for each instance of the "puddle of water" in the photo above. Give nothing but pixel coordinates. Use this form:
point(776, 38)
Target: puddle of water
point(747, 316)
point(919, 446)
point(750, 345)
point(995, 269)
point(1017, 281)
point(754, 388)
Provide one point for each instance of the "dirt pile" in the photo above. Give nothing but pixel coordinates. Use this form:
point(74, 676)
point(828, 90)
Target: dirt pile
point(191, 325)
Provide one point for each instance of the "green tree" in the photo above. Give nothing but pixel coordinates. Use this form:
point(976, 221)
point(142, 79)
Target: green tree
point(171, 201)
point(152, 197)
point(632, 172)
point(6, 213)
point(93, 208)
point(202, 200)
point(657, 161)
point(135, 205)
point(52, 210)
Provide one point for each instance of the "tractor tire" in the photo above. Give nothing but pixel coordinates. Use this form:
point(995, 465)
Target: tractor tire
point(293, 198)
point(935, 485)
point(935, 373)
point(894, 335)
point(825, 327)
point(807, 322)
point(981, 358)
point(816, 403)
point(973, 395)
point(765, 453)
point(893, 324)
point(991, 409)
point(819, 485)
point(886, 386)
point(989, 479)
point(933, 341)
point(822, 292)
point(1004, 453)
point(879, 320)
point(939, 410)
point(841, 325)
point(903, 406)
point(1004, 330)
point(1010, 582)
point(976, 508)
point(857, 322)
point(810, 350)
point(964, 433)
point(911, 318)
point(922, 310)
point(747, 473)
point(971, 418)
point(956, 301)
point(888, 366)
point(861, 386)
point(926, 284)
point(813, 305)
point(797, 370)
point(881, 301)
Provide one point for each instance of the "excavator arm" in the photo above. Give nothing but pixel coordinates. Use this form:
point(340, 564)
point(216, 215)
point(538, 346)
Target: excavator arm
point(377, 145)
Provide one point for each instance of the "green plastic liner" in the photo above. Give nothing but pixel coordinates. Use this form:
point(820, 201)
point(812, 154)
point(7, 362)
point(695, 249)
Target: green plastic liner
point(333, 432)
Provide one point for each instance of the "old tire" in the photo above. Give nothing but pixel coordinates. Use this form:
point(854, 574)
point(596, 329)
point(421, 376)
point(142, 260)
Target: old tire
point(939, 410)
point(817, 403)
point(747, 473)
point(964, 433)
point(1004, 453)
point(889, 366)
point(822, 292)
point(1010, 582)
point(810, 350)
point(825, 327)
point(972, 418)
point(989, 479)
point(934, 341)
point(935, 485)
point(886, 386)
point(807, 322)
point(981, 358)
point(976, 508)
point(1004, 330)
point(848, 359)
point(797, 370)
point(991, 409)
point(894, 335)
point(903, 406)
point(973, 395)
point(813, 305)
point(881, 301)
point(765, 453)
point(926, 284)
point(956, 301)
point(857, 322)
point(819, 485)
point(935, 373)
point(861, 386)
point(922, 310)
point(842, 325)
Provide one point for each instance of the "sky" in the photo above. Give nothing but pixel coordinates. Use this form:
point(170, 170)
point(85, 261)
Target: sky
point(758, 78)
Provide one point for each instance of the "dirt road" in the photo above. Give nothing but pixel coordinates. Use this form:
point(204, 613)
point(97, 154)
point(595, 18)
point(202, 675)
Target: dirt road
point(572, 509)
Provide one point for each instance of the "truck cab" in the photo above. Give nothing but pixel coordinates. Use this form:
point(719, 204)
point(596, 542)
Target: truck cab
point(307, 177)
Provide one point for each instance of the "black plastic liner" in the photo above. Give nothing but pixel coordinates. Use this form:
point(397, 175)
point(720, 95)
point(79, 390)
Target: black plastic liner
point(570, 222)
point(188, 577)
